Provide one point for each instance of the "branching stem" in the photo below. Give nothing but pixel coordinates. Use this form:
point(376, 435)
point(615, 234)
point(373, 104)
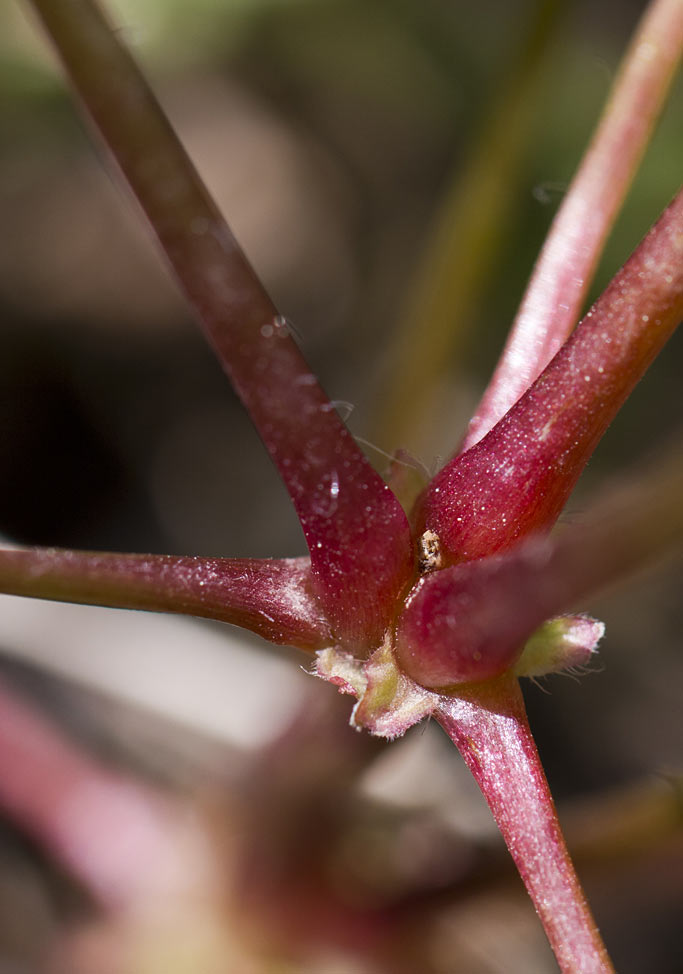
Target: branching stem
point(349, 516)
point(564, 270)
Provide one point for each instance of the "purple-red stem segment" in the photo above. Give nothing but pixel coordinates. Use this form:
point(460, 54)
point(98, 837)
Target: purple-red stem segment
point(471, 620)
point(518, 478)
point(272, 597)
point(349, 516)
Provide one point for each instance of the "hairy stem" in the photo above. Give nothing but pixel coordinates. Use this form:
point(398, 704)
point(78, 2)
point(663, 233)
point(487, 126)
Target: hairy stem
point(488, 724)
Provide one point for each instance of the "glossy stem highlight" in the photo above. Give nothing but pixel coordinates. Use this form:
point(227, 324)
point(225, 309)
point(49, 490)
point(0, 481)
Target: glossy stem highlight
point(488, 725)
point(271, 597)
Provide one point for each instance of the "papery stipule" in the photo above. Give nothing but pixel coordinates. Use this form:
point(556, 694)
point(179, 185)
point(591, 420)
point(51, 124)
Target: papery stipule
point(349, 516)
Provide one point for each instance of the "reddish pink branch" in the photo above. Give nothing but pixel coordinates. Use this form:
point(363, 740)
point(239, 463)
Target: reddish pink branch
point(272, 597)
point(471, 621)
point(349, 516)
point(517, 479)
point(563, 272)
point(488, 724)
point(116, 837)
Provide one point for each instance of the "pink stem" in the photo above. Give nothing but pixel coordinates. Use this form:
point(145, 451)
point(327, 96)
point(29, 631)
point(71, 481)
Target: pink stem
point(471, 620)
point(517, 479)
point(489, 727)
point(114, 836)
point(349, 516)
point(271, 597)
point(557, 289)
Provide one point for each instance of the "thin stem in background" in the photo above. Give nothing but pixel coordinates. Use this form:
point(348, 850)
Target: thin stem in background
point(462, 246)
point(517, 479)
point(119, 839)
point(563, 273)
point(272, 597)
point(349, 516)
point(489, 726)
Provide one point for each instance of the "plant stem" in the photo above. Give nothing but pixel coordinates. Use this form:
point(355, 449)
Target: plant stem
point(271, 597)
point(113, 835)
point(564, 270)
point(517, 479)
point(348, 514)
point(473, 618)
point(488, 725)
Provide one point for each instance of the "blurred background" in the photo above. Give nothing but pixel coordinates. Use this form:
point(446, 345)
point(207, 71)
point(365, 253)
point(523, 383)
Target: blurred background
point(338, 137)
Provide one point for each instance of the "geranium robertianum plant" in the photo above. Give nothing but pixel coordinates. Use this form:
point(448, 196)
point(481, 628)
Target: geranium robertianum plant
point(434, 606)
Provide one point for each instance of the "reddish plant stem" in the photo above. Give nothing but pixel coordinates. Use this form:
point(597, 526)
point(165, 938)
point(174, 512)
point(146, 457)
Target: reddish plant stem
point(115, 837)
point(565, 267)
point(517, 479)
point(474, 617)
point(272, 597)
point(349, 516)
point(488, 725)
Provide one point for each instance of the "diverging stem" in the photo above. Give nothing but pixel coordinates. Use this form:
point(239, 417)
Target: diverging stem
point(488, 724)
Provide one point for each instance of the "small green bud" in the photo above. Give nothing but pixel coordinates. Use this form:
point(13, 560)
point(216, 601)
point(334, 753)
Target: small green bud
point(559, 644)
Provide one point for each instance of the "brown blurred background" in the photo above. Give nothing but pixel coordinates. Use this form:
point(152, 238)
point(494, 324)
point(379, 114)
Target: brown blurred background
point(329, 131)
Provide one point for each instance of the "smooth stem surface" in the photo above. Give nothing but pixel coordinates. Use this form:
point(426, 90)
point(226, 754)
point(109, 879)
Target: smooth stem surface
point(272, 597)
point(490, 729)
point(518, 478)
point(349, 516)
point(563, 273)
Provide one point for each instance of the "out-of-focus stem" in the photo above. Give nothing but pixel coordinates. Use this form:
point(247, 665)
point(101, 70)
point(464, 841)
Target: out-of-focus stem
point(349, 516)
point(517, 479)
point(462, 247)
point(272, 597)
point(488, 724)
point(563, 273)
point(119, 839)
